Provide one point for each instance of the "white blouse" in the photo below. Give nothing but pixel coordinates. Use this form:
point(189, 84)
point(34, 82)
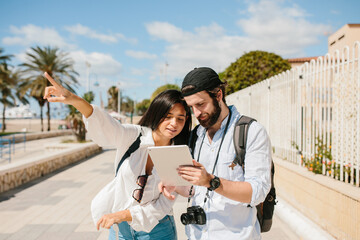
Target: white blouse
point(117, 195)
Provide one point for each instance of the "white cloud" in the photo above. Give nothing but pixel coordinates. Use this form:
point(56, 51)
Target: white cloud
point(268, 26)
point(280, 29)
point(100, 63)
point(79, 29)
point(167, 32)
point(140, 54)
point(126, 39)
point(21, 57)
point(138, 71)
point(29, 35)
point(130, 83)
point(102, 66)
point(207, 46)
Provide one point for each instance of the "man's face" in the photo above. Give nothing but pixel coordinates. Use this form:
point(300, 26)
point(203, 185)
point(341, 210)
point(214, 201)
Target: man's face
point(206, 109)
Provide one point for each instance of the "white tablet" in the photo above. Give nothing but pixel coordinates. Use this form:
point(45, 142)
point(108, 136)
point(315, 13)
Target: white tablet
point(167, 159)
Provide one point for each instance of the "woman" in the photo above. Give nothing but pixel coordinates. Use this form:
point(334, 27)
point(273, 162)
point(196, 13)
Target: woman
point(132, 203)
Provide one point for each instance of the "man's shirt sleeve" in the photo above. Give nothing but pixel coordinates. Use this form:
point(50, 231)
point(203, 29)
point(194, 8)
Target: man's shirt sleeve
point(258, 163)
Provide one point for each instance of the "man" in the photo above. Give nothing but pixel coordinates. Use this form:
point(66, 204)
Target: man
point(227, 194)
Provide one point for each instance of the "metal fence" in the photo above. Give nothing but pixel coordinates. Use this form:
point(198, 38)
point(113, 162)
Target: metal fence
point(9, 143)
point(312, 113)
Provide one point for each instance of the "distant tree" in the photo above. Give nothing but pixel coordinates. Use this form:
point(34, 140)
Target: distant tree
point(142, 106)
point(113, 92)
point(7, 85)
point(34, 88)
point(57, 64)
point(127, 105)
point(163, 88)
point(251, 68)
point(89, 96)
point(76, 120)
point(4, 58)
point(9, 90)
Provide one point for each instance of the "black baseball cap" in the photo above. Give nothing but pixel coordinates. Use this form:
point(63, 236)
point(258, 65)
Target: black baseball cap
point(202, 78)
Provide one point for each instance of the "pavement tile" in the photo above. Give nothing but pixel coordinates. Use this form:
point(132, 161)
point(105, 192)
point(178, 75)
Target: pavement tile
point(83, 236)
point(4, 236)
point(29, 232)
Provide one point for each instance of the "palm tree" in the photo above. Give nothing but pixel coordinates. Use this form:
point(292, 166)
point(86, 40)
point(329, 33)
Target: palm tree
point(9, 89)
point(4, 58)
point(56, 64)
point(113, 99)
point(6, 87)
point(36, 90)
point(76, 120)
point(127, 105)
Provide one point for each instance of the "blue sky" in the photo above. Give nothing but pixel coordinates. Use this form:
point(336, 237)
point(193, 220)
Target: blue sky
point(142, 45)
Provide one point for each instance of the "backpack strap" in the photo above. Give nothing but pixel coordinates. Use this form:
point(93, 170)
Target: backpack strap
point(240, 139)
point(134, 146)
point(192, 139)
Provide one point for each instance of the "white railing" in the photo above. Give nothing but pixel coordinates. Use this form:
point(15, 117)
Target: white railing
point(315, 107)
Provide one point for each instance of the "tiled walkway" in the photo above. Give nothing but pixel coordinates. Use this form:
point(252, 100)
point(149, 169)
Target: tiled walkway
point(58, 205)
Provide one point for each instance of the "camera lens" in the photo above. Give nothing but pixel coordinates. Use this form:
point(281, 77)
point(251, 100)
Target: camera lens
point(186, 218)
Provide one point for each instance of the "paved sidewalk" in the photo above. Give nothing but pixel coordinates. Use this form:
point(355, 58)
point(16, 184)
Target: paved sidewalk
point(279, 230)
point(35, 148)
point(58, 206)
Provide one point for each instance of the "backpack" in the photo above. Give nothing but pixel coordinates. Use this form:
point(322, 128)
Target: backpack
point(265, 210)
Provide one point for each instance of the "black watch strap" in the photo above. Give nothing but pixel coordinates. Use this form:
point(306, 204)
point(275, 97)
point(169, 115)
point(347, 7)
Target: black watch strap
point(214, 183)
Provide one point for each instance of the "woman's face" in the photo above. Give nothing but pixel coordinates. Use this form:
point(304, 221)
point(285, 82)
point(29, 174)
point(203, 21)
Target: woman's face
point(173, 123)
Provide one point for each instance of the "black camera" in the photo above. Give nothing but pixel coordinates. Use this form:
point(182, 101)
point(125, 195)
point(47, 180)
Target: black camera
point(194, 215)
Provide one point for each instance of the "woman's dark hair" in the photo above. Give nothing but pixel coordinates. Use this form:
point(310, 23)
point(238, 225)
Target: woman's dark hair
point(159, 109)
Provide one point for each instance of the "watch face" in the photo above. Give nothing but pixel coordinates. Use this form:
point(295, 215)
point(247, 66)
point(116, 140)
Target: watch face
point(215, 183)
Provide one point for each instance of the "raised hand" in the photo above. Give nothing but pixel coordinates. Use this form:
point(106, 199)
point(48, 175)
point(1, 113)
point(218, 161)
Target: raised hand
point(56, 92)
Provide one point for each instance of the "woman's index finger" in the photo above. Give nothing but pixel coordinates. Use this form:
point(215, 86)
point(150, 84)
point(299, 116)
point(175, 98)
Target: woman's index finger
point(53, 82)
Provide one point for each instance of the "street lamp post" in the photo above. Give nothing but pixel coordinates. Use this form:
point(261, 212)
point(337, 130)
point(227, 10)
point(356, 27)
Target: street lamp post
point(134, 104)
point(96, 84)
point(88, 65)
point(119, 98)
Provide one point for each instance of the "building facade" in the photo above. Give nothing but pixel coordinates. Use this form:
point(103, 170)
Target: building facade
point(345, 36)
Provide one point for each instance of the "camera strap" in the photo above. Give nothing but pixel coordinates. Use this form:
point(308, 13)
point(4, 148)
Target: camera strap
point(217, 157)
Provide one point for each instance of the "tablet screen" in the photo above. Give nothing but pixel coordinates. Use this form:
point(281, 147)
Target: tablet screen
point(167, 159)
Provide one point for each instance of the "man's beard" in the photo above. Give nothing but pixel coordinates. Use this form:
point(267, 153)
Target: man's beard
point(213, 116)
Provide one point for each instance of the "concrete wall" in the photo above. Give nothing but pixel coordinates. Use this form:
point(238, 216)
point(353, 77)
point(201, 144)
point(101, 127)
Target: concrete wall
point(332, 204)
point(19, 137)
point(16, 174)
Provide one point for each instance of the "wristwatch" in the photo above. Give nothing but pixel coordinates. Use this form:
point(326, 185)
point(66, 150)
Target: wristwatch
point(214, 183)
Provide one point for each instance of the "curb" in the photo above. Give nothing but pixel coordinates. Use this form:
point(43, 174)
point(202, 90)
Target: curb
point(16, 174)
point(299, 224)
point(21, 137)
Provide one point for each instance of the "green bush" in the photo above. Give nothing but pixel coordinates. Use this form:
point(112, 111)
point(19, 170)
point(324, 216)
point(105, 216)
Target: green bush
point(252, 68)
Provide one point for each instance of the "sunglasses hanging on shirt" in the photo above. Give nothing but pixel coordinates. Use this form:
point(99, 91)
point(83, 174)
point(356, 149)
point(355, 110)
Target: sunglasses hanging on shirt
point(138, 193)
